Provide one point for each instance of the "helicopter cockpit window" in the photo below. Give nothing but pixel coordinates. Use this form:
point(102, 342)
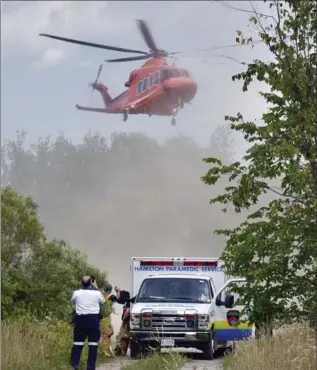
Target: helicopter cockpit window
point(144, 84)
point(138, 87)
point(168, 73)
point(172, 73)
point(183, 72)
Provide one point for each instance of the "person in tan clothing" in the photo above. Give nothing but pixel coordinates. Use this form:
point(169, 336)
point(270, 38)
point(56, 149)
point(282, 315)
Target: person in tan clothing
point(106, 327)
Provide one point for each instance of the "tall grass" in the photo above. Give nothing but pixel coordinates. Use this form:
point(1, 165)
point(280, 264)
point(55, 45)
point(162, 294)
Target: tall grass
point(291, 348)
point(30, 345)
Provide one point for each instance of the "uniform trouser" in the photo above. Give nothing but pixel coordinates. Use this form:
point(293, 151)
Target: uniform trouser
point(85, 326)
point(107, 332)
point(122, 339)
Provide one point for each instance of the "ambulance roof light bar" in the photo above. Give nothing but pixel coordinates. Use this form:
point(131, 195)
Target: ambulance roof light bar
point(179, 263)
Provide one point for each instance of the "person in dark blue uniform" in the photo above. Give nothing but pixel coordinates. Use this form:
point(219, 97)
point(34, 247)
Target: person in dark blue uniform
point(87, 302)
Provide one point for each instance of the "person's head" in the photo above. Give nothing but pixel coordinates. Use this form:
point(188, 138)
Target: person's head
point(86, 281)
point(107, 288)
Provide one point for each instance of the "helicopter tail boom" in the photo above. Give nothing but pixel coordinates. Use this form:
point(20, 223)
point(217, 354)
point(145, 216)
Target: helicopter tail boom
point(88, 109)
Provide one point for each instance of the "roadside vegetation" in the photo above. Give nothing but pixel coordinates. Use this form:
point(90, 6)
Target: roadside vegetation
point(292, 348)
point(37, 279)
point(275, 246)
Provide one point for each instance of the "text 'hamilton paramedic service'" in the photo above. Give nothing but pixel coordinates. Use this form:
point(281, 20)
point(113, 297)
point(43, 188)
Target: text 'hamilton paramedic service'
point(179, 268)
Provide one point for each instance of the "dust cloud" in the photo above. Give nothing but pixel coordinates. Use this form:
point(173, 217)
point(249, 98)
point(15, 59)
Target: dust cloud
point(128, 197)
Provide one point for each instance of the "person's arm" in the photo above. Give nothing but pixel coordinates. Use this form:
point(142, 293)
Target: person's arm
point(101, 298)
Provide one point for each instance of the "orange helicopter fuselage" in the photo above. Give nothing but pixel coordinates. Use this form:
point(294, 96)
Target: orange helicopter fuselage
point(155, 89)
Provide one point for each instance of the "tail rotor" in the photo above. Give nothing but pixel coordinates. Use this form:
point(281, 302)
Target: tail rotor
point(94, 84)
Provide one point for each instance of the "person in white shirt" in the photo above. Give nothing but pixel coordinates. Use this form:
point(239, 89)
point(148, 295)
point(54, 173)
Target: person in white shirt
point(87, 302)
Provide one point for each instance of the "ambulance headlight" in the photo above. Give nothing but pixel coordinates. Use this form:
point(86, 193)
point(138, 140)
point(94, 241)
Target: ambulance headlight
point(203, 322)
point(135, 320)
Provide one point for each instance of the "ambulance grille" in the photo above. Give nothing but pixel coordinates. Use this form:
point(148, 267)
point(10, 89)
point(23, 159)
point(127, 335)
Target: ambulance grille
point(170, 322)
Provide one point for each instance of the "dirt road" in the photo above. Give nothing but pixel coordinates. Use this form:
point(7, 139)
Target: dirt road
point(193, 364)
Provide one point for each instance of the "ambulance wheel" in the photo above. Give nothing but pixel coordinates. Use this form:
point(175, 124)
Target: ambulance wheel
point(134, 349)
point(209, 347)
point(173, 121)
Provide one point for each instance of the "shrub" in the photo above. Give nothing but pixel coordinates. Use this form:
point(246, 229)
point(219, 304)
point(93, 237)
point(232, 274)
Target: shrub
point(291, 347)
point(28, 344)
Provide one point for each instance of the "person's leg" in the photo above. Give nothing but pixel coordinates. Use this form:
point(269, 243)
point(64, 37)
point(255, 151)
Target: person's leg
point(93, 341)
point(107, 332)
point(122, 340)
point(78, 343)
point(125, 337)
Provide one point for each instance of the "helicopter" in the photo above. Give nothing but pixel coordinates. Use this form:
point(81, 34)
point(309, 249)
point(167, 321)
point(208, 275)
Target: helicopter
point(157, 88)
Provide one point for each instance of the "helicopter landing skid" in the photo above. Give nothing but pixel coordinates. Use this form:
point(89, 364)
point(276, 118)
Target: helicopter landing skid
point(125, 114)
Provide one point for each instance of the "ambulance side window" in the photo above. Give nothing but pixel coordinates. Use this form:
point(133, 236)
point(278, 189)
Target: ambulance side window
point(156, 78)
point(230, 290)
point(138, 87)
point(144, 84)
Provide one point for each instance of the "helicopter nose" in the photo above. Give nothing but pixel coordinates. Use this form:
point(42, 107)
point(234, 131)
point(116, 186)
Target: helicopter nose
point(184, 88)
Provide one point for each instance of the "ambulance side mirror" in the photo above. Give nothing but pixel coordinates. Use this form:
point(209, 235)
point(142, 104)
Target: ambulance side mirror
point(229, 300)
point(219, 302)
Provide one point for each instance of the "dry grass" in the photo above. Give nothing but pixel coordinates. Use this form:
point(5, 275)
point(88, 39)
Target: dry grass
point(292, 348)
point(30, 345)
point(156, 361)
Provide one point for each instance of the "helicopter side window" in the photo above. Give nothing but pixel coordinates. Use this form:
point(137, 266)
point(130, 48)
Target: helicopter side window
point(156, 78)
point(144, 84)
point(138, 87)
point(164, 75)
point(150, 81)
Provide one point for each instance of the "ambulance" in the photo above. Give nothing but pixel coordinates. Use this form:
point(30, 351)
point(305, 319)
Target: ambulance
point(186, 303)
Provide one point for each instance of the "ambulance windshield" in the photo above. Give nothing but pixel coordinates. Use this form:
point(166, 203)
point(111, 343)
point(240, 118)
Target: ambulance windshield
point(175, 290)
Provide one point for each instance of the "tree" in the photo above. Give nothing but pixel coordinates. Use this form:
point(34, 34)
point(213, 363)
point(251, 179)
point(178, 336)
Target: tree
point(37, 275)
point(275, 248)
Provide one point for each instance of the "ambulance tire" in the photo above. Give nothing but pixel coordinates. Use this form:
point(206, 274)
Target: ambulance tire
point(135, 349)
point(208, 349)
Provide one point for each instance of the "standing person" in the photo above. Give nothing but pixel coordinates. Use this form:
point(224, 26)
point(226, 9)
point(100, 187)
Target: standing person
point(123, 337)
point(106, 327)
point(87, 302)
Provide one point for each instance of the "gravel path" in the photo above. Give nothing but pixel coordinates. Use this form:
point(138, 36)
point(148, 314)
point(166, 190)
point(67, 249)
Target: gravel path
point(193, 364)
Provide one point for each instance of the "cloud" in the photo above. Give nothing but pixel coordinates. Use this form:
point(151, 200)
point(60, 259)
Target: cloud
point(22, 23)
point(50, 57)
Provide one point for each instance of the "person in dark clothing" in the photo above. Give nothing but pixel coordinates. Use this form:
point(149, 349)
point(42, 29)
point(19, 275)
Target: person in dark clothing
point(123, 337)
point(87, 302)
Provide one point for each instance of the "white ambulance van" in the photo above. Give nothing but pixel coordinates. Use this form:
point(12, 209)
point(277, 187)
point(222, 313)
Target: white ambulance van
point(184, 302)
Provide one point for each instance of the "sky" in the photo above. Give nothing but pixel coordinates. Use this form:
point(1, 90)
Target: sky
point(43, 79)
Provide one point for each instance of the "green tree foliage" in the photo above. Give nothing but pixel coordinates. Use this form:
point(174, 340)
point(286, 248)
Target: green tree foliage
point(37, 275)
point(276, 247)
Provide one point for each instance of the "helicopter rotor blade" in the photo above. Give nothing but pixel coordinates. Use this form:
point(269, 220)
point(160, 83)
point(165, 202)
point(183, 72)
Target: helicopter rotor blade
point(147, 35)
point(92, 44)
point(128, 59)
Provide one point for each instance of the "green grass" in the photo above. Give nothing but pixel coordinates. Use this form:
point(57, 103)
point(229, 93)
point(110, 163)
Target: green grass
point(30, 345)
point(292, 348)
point(168, 361)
